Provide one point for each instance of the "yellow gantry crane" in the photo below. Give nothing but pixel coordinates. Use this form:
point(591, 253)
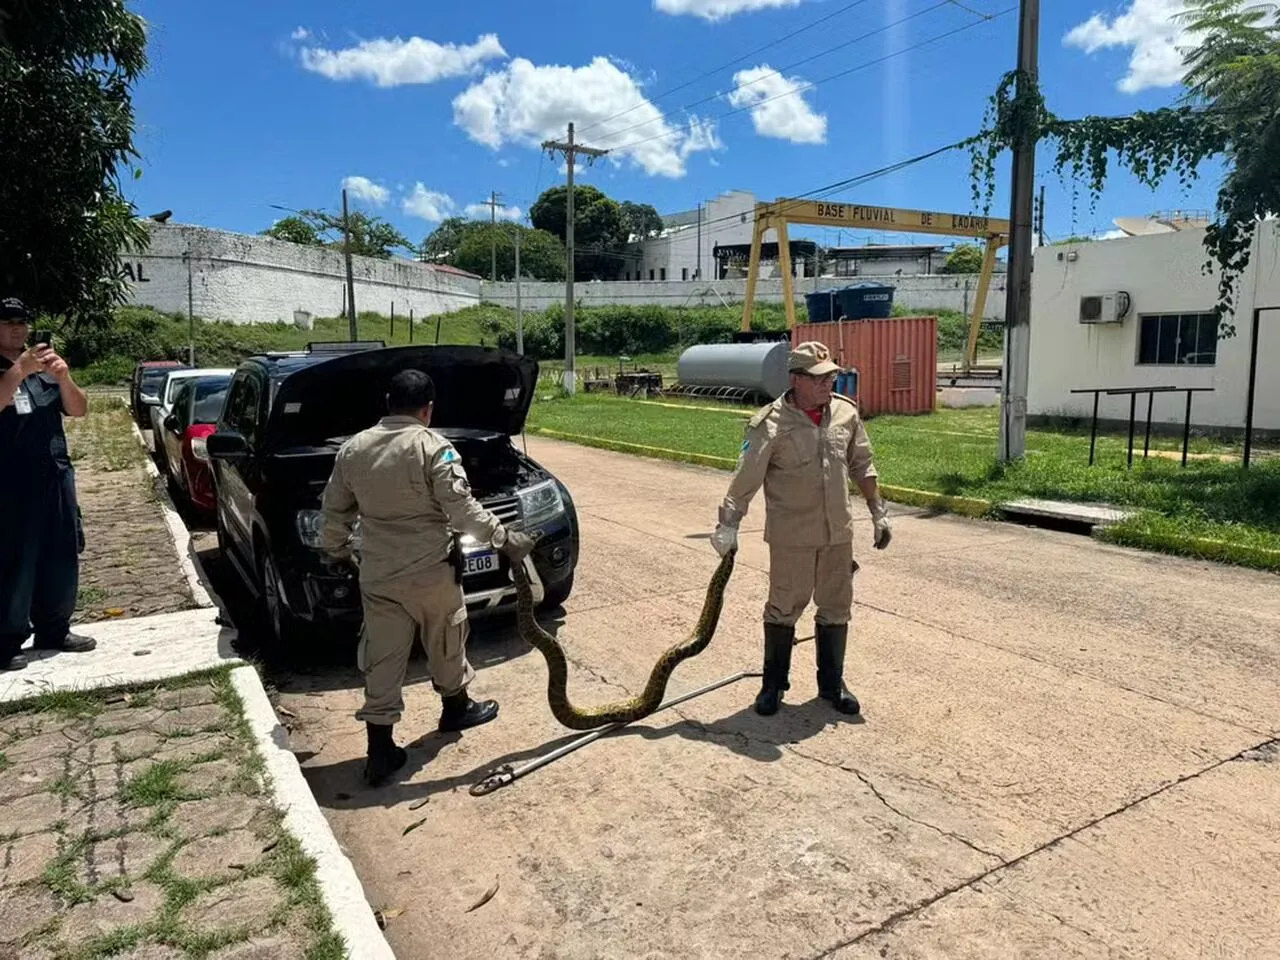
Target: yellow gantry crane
point(852, 216)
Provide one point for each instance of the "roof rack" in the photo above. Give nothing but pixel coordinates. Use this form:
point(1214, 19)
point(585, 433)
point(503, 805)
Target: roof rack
point(343, 346)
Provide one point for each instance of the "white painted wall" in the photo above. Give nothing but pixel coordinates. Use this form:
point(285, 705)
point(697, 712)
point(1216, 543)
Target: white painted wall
point(728, 219)
point(937, 292)
point(1162, 274)
point(251, 279)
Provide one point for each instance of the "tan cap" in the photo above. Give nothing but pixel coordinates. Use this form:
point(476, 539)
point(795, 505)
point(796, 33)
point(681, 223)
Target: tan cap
point(812, 358)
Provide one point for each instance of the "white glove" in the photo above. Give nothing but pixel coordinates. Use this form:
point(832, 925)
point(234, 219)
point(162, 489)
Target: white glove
point(724, 539)
point(880, 515)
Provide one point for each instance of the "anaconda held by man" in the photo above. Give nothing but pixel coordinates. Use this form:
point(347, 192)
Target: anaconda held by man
point(622, 711)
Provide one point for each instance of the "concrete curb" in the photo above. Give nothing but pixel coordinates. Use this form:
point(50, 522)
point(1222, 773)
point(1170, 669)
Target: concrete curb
point(353, 918)
point(178, 531)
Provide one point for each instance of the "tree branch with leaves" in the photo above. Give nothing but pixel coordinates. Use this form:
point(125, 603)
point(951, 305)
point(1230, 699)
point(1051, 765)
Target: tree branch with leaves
point(1230, 111)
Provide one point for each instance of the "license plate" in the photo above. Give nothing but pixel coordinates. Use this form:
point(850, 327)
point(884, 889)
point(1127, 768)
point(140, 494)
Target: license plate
point(480, 563)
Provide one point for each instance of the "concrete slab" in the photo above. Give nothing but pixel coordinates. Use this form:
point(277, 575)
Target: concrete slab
point(136, 650)
point(1089, 514)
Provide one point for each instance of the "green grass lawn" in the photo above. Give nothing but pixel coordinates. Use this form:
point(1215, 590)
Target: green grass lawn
point(953, 452)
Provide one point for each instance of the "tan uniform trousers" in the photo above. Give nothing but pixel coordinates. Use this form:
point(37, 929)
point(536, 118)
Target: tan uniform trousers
point(800, 574)
point(427, 604)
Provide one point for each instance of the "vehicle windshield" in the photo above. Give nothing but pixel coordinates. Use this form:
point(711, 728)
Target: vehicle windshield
point(152, 378)
point(209, 397)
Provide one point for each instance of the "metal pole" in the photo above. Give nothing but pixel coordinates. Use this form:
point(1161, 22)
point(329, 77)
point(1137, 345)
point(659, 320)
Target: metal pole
point(493, 235)
point(411, 324)
point(392, 335)
point(1133, 409)
point(1186, 429)
point(1253, 384)
point(697, 273)
point(519, 313)
point(1013, 425)
point(1093, 428)
point(568, 286)
point(191, 314)
point(1146, 441)
point(1040, 217)
point(351, 282)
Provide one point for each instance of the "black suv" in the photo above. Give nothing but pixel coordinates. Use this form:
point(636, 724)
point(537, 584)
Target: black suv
point(285, 416)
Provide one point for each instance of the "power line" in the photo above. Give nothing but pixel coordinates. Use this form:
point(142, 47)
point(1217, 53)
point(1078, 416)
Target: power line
point(728, 64)
point(791, 66)
point(808, 85)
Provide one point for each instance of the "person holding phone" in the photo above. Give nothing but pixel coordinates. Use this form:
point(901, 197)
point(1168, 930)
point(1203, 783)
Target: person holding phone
point(42, 533)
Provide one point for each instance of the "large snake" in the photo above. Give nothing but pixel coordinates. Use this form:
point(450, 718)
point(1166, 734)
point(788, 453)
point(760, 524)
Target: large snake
point(621, 711)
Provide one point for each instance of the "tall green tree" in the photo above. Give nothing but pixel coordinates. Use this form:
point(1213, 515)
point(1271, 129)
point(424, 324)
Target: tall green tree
point(599, 232)
point(965, 258)
point(640, 220)
point(371, 236)
point(293, 229)
point(1230, 111)
point(470, 244)
point(67, 71)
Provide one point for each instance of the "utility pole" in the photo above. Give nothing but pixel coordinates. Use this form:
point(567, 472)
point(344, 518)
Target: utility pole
point(519, 315)
point(570, 151)
point(351, 282)
point(493, 235)
point(1040, 217)
point(697, 274)
point(1017, 354)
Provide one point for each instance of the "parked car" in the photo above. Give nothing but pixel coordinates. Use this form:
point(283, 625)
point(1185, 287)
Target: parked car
point(144, 389)
point(167, 390)
point(273, 450)
point(183, 432)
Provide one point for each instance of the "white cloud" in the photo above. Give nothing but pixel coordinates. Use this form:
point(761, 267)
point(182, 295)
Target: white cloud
point(480, 211)
point(778, 107)
point(718, 9)
point(391, 63)
point(527, 104)
point(362, 188)
point(301, 33)
point(428, 204)
point(1149, 29)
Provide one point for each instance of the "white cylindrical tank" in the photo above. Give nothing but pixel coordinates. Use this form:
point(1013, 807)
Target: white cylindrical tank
point(751, 366)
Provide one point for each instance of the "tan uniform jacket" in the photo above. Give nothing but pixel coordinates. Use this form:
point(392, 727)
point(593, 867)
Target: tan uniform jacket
point(406, 484)
point(805, 471)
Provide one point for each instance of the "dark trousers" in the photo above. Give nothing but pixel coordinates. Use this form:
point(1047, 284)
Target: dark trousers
point(40, 548)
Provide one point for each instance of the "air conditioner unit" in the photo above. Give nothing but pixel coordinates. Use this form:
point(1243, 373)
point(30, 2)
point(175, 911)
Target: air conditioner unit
point(1104, 308)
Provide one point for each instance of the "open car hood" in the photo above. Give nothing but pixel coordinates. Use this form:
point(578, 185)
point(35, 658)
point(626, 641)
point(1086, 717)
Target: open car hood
point(477, 388)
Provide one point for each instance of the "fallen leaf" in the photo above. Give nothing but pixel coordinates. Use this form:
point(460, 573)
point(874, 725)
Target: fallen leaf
point(270, 845)
point(419, 804)
point(141, 653)
point(124, 896)
point(286, 712)
point(114, 611)
point(391, 913)
point(488, 895)
point(414, 826)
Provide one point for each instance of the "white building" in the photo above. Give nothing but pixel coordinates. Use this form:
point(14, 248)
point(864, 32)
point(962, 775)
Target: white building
point(1167, 337)
point(685, 248)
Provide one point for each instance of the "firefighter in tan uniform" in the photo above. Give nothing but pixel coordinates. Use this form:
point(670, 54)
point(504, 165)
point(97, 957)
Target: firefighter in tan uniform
point(804, 448)
point(406, 485)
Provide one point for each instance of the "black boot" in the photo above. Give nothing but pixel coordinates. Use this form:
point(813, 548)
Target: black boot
point(15, 661)
point(460, 711)
point(778, 640)
point(830, 642)
point(385, 758)
point(68, 643)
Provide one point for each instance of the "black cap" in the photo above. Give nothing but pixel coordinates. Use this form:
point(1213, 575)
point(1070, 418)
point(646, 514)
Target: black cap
point(13, 310)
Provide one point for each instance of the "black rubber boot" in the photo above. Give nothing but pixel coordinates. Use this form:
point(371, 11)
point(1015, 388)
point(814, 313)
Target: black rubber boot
point(830, 641)
point(461, 712)
point(17, 661)
point(778, 640)
point(71, 643)
point(385, 758)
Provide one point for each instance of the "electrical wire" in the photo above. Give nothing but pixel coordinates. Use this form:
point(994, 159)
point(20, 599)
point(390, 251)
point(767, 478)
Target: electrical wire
point(725, 66)
point(790, 66)
point(809, 85)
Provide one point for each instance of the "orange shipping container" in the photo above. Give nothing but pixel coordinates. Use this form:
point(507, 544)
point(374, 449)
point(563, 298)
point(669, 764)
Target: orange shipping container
point(896, 360)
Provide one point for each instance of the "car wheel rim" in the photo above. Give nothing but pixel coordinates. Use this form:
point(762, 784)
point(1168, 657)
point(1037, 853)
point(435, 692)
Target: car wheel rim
point(271, 593)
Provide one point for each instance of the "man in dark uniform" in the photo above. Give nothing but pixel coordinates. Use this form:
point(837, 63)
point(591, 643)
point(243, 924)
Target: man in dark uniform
point(42, 536)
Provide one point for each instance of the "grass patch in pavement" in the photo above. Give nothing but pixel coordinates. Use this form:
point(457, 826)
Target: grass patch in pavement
point(103, 437)
point(953, 452)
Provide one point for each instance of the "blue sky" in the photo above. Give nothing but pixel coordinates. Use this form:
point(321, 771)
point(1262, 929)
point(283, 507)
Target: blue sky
point(433, 105)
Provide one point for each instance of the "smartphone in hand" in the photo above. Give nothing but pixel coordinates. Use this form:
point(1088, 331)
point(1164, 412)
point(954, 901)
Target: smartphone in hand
point(44, 338)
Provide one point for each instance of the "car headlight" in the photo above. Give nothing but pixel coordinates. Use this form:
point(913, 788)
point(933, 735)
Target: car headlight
point(200, 449)
point(540, 503)
point(309, 523)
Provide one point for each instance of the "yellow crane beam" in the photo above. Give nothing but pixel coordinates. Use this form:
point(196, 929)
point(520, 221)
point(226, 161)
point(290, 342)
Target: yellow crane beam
point(853, 216)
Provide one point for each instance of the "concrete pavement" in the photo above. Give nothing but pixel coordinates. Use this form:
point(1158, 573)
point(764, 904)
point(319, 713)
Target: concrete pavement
point(1067, 750)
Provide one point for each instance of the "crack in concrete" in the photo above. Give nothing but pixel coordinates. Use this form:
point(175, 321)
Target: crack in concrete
point(908, 912)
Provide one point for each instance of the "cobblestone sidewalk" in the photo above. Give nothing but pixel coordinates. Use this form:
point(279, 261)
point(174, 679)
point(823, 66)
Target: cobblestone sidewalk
point(137, 825)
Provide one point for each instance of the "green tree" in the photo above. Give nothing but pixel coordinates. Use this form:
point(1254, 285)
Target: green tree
point(640, 219)
point(1230, 111)
point(965, 258)
point(599, 232)
point(469, 245)
point(293, 229)
point(371, 236)
point(441, 245)
point(67, 71)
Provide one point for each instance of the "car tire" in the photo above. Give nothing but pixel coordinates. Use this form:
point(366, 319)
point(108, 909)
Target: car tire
point(554, 597)
point(278, 625)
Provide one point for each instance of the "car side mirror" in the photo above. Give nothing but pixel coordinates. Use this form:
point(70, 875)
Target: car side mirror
point(226, 446)
point(171, 422)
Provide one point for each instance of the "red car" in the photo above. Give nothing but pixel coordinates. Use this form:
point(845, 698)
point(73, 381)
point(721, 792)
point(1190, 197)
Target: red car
point(196, 407)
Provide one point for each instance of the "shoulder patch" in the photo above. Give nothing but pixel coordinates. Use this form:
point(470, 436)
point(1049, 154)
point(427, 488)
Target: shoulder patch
point(449, 455)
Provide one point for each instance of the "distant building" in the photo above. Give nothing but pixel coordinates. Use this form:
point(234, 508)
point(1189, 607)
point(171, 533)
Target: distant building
point(885, 260)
